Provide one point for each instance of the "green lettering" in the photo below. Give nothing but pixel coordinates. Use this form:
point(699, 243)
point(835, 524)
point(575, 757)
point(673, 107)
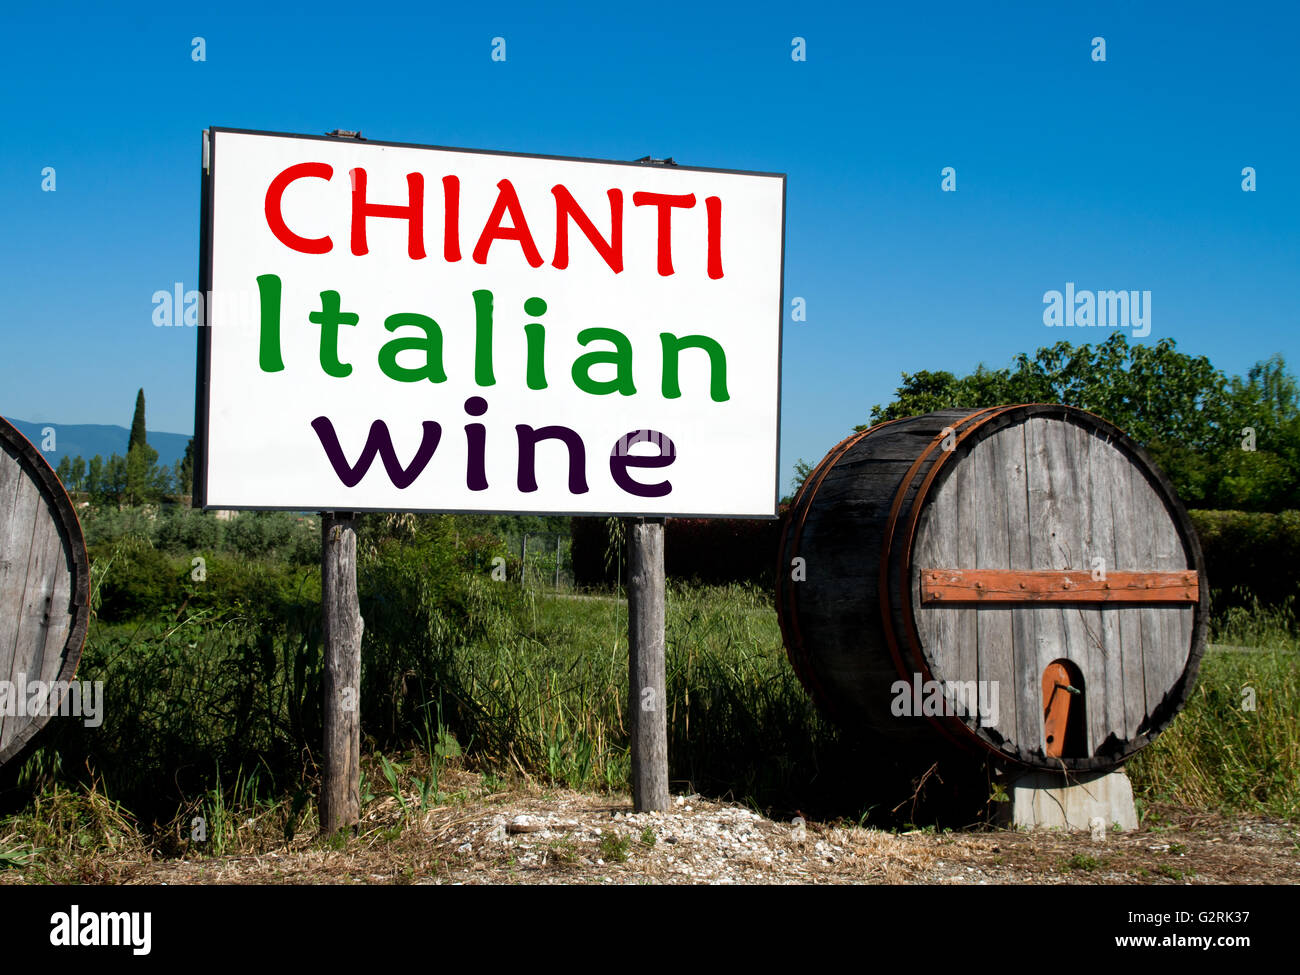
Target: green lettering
point(535, 333)
point(483, 339)
point(268, 348)
point(717, 364)
point(430, 344)
point(621, 357)
point(329, 318)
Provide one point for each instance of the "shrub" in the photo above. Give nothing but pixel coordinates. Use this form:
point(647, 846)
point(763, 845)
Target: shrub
point(710, 551)
point(1249, 556)
point(184, 531)
point(413, 604)
point(477, 551)
point(101, 524)
point(255, 534)
point(139, 582)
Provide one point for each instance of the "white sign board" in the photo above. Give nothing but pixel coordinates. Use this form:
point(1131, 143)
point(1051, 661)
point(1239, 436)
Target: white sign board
point(396, 327)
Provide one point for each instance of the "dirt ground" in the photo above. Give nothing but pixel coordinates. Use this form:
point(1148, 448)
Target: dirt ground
point(534, 836)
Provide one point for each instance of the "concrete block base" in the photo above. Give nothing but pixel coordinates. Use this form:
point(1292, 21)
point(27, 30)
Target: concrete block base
point(1090, 800)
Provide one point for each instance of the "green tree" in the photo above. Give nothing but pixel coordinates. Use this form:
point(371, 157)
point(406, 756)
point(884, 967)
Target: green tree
point(110, 485)
point(144, 479)
point(1187, 414)
point(1260, 470)
point(185, 469)
point(140, 479)
point(95, 476)
point(138, 435)
point(64, 471)
point(801, 471)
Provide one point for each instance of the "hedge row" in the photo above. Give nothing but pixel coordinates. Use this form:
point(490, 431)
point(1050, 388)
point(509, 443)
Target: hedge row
point(1250, 554)
point(713, 551)
point(1247, 554)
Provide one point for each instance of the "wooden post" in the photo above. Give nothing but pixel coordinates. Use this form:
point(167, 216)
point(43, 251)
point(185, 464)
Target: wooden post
point(646, 668)
point(523, 561)
point(557, 563)
point(340, 800)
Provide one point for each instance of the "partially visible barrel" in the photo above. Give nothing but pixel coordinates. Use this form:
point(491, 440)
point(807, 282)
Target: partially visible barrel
point(1018, 581)
point(44, 592)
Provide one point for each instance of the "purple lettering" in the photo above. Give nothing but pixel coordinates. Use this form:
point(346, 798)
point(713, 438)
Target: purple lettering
point(378, 442)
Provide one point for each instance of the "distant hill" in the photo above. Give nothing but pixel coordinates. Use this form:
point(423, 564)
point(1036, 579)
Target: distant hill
point(89, 439)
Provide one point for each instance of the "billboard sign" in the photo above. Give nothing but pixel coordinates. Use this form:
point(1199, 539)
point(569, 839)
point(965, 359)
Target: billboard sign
point(397, 327)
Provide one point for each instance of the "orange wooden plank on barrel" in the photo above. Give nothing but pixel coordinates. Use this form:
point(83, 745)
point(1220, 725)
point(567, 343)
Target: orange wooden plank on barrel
point(1050, 586)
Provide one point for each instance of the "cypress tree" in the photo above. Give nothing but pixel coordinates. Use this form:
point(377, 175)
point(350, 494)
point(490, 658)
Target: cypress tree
point(137, 424)
point(185, 474)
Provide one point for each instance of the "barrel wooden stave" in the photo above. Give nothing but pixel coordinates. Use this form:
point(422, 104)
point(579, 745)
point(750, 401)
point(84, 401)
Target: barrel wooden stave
point(44, 584)
point(838, 604)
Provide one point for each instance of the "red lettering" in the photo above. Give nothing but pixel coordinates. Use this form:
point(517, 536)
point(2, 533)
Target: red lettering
point(507, 199)
point(665, 202)
point(713, 207)
point(451, 218)
point(275, 219)
point(566, 206)
point(412, 213)
point(495, 228)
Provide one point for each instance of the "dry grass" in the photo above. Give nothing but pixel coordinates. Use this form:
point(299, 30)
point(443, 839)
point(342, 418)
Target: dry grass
point(484, 831)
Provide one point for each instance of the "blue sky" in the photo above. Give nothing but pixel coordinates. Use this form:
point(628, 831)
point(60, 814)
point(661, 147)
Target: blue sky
point(1117, 175)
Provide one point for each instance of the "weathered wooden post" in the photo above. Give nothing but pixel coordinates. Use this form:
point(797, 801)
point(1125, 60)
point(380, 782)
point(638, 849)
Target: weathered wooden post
point(646, 670)
point(340, 800)
point(646, 666)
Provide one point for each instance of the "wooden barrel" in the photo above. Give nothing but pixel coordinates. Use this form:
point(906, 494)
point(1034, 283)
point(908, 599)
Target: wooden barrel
point(44, 591)
point(1019, 581)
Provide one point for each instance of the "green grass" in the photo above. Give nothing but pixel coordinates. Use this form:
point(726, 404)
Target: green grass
point(212, 702)
point(70, 835)
point(563, 850)
point(1173, 873)
point(614, 849)
point(1250, 624)
point(1217, 754)
point(1081, 861)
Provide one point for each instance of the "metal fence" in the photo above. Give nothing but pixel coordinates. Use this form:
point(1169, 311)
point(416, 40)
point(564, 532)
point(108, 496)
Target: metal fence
point(545, 559)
